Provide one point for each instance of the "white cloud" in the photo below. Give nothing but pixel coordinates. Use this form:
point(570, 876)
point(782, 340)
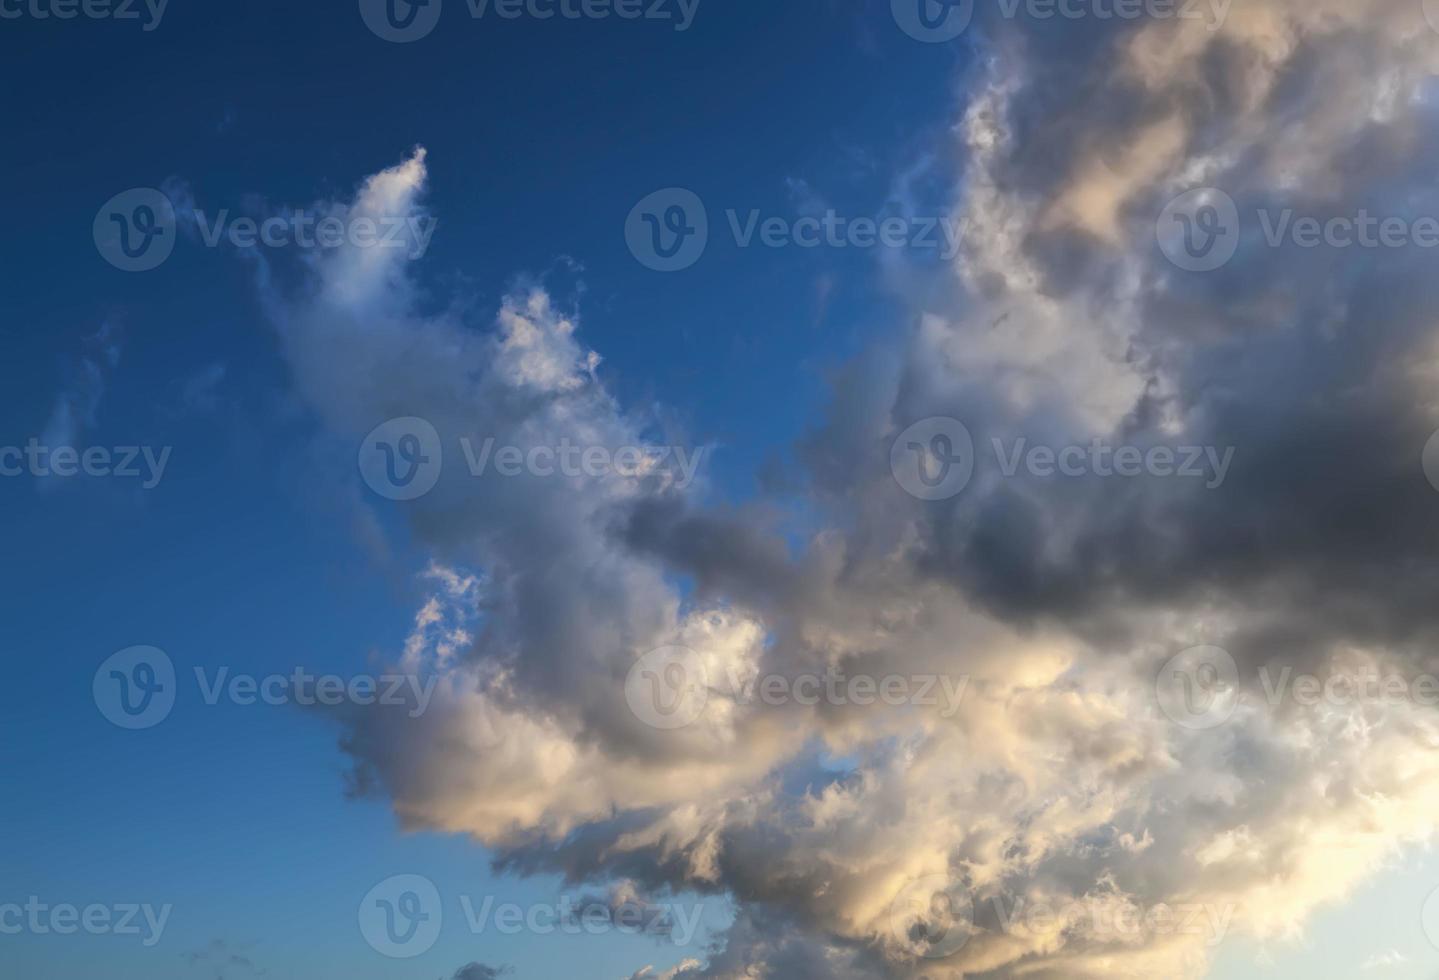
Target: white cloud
point(78, 403)
point(1059, 783)
point(1383, 960)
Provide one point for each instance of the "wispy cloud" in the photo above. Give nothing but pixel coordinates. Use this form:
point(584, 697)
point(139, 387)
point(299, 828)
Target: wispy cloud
point(1389, 958)
point(78, 403)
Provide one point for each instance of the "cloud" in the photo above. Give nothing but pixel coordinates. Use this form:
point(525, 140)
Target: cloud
point(78, 403)
point(479, 971)
point(1383, 960)
point(679, 970)
point(220, 960)
point(199, 393)
point(626, 905)
point(1060, 787)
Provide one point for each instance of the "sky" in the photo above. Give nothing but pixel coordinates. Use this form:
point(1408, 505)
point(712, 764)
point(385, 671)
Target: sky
point(669, 490)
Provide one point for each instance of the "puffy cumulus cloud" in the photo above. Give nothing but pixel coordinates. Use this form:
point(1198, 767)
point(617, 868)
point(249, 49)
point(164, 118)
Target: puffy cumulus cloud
point(1312, 364)
point(1059, 824)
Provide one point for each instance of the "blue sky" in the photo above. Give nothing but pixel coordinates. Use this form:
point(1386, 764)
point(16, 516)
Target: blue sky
point(542, 137)
point(262, 549)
